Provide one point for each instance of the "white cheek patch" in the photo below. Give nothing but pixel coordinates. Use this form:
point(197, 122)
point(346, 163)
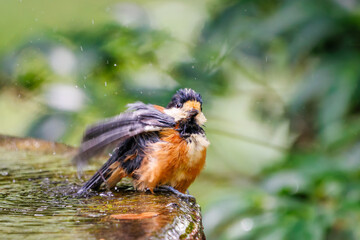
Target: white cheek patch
point(200, 119)
point(179, 113)
point(196, 144)
point(176, 113)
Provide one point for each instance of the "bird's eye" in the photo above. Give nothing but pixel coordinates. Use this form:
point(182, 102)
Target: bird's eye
point(178, 105)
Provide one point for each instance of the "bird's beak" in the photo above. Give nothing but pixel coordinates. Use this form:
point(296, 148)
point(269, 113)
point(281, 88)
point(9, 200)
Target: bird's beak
point(193, 112)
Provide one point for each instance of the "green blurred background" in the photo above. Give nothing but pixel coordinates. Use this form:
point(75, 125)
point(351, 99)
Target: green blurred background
point(280, 82)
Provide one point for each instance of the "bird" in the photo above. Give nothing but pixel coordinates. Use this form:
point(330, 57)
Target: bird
point(159, 148)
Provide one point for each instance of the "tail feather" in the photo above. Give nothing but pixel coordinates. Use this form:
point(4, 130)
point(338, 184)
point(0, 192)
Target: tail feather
point(94, 183)
point(102, 175)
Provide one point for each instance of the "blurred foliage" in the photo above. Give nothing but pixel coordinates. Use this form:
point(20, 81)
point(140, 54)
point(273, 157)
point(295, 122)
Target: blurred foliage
point(312, 193)
point(114, 65)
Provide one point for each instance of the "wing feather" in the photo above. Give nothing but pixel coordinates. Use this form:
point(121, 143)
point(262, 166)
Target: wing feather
point(139, 118)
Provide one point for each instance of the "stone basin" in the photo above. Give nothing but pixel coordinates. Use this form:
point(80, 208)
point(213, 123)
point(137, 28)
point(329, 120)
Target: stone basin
point(37, 200)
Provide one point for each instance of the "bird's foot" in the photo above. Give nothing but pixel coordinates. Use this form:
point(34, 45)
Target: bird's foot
point(176, 192)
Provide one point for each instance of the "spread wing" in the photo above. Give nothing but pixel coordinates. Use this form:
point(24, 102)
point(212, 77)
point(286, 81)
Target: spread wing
point(139, 118)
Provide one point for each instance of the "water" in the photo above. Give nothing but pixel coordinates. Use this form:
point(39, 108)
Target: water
point(38, 201)
point(36, 197)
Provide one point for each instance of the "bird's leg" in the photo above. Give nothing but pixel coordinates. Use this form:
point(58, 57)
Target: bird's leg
point(173, 190)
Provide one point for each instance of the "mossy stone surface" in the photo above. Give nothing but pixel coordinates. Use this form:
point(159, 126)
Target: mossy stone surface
point(37, 201)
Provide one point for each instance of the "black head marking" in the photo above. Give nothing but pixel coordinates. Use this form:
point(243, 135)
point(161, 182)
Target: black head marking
point(183, 95)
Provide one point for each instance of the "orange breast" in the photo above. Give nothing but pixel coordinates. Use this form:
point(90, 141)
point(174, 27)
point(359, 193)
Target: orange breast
point(172, 161)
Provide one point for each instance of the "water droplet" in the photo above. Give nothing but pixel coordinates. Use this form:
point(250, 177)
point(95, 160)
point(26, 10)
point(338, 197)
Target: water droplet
point(115, 64)
point(192, 66)
point(105, 83)
point(92, 21)
point(81, 48)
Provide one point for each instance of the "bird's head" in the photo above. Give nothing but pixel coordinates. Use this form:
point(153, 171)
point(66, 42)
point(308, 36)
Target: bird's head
point(186, 104)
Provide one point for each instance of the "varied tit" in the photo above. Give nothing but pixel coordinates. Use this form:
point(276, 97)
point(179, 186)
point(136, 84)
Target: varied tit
point(159, 148)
